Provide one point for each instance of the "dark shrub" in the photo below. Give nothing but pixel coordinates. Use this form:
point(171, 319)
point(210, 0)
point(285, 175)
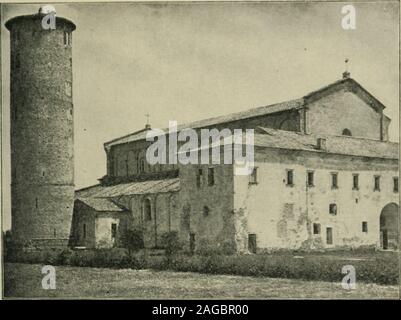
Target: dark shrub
point(64, 258)
point(133, 241)
point(83, 258)
point(171, 245)
point(379, 268)
point(171, 242)
point(111, 258)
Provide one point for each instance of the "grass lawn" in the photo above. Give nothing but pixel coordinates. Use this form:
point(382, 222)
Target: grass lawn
point(24, 280)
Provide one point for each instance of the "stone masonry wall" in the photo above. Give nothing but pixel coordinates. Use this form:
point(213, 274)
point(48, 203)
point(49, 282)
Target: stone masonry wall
point(282, 216)
point(42, 189)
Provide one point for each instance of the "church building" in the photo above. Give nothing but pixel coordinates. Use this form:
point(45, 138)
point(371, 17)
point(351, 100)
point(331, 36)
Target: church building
point(325, 177)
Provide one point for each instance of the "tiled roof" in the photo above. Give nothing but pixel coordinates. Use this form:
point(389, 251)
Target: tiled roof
point(274, 108)
point(334, 144)
point(102, 204)
point(131, 188)
point(291, 140)
point(254, 112)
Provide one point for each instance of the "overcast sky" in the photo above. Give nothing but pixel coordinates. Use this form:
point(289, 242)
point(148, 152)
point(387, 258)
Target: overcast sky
point(191, 61)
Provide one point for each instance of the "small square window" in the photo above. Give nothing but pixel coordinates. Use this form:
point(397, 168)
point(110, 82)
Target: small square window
point(316, 228)
point(395, 184)
point(333, 209)
point(310, 178)
point(199, 176)
point(334, 180)
point(290, 177)
point(377, 183)
point(355, 181)
point(253, 177)
point(364, 226)
point(113, 230)
point(252, 245)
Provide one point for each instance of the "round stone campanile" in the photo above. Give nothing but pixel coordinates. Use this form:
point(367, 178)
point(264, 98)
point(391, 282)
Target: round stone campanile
point(42, 146)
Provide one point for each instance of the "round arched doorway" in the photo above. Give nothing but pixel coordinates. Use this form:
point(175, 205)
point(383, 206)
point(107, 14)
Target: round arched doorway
point(389, 227)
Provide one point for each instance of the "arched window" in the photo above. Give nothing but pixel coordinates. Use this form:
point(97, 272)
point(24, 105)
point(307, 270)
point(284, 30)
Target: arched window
point(141, 165)
point(347, 132)
point(141, 162)
point(147, 210)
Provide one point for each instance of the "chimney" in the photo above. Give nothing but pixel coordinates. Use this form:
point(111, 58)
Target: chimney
point(321, 144)
point(346, 75)
point(147, 126)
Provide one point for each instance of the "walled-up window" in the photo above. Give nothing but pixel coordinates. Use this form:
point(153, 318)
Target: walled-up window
point(199, 178)
point(364, 226)
point(290, 177)
point(310, 178)
point(147, 210)
point(395, 184)
point(253, 177)
point(333, 208)
point(334, 180)
point(347, 132)
point(113, 230)
point(316, 228)
point(377, 183)
point(355, 181)
point(210, 177)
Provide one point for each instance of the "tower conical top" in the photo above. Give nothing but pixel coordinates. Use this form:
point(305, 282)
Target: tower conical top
point(46, 9)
